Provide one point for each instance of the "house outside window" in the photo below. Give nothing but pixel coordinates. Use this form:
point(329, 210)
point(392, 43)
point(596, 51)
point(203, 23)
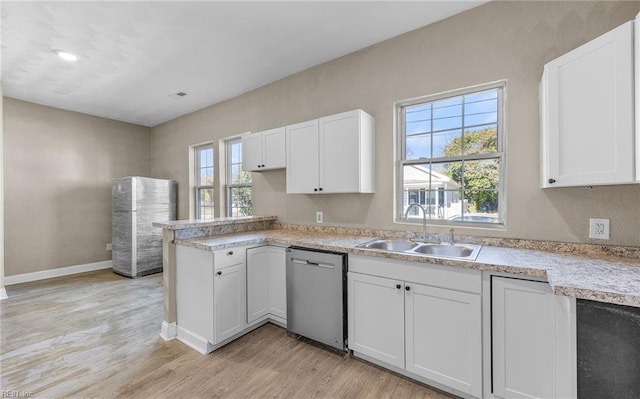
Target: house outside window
point(239, 190)
point(451, 157)
point(204, 181)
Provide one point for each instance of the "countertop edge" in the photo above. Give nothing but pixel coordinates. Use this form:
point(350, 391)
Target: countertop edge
point(189, 224)
point(560, 279)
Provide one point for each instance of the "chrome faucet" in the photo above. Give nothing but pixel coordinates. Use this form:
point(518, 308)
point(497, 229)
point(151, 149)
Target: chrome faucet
point(425, 235)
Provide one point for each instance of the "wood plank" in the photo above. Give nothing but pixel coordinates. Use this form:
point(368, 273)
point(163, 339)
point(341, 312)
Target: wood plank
point(96, 335)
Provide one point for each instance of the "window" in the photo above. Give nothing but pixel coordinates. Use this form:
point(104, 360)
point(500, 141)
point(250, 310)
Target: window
point(239, 195)
point(451, 157)
point(204, 182)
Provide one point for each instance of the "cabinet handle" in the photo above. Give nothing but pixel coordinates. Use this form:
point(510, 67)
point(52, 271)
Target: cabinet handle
point(219, 273)
point(229, 253)
point(551, 181)
point(262, 165)
point(320, 189)
point(315, 189)
point(407, 288)
point(259, 166)
point(398, 286)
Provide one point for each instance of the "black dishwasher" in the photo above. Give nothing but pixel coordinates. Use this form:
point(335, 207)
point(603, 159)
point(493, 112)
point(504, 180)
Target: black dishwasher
point(608, 343)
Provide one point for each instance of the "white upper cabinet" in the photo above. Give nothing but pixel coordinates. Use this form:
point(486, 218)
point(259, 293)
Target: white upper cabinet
point(334, 154)
point(302, 157)
point(587, 112)
point(264, 150)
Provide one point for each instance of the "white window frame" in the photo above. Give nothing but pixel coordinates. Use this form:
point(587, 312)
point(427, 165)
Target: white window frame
point(197, 186)
point(401, 162)
point(228, 178)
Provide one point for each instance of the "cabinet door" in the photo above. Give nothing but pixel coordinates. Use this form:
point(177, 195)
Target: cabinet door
point(277, 261)
point(587, 113)
point(302, 158)
point(533, 349)
point(252, 152)
point(194, 294)
point(376, 318)
point(273, 148)
point(257, 283)
point(444, 336)
point(229, 301)
point(339, 155)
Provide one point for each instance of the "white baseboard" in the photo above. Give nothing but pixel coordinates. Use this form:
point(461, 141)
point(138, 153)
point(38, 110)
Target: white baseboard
point(168, 331)
point(194, 341)
point(58, 272)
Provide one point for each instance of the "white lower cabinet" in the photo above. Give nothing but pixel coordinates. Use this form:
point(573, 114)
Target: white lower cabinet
point(443, 336)
point(376, 318)
point(210, 296)
point(229, 298)
point(428, 331)
point(266, 284)
point(533, 340)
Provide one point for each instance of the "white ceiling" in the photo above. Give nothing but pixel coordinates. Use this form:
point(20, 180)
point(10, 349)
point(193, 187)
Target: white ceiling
point(134, 56)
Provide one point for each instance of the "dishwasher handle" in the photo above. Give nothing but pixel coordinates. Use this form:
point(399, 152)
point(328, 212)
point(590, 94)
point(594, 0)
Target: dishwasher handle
point(311, 263)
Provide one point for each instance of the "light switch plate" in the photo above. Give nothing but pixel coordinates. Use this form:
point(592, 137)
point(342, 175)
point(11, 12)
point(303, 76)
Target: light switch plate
point(318, 217)
point(599, 229)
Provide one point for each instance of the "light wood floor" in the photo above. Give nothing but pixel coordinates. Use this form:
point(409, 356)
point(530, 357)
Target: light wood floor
point(95, 335)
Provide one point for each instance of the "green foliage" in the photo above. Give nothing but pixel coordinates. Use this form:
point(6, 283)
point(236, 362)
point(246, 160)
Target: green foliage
point(477, 175)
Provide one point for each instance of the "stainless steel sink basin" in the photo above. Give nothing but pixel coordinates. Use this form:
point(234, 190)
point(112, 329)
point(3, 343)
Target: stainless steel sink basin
point(456, 251)
point(393, 245)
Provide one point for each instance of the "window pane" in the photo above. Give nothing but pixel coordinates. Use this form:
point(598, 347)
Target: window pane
point(206, 176)
point(206, 197)
point(447, 144)
point(482, 206)
point(446, 175)
point(480, 96)
point(236, 173)
point(447, 114)
point(418, 147)
point(480, 119)
point(241, 201)
point(447, 123)
point(236, 153)
point(482, 140)
point(417, 127)
point(481, 175)
point(209, 153)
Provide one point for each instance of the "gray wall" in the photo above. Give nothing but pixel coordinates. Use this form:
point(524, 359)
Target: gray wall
point(58, 170)
point(499, 40)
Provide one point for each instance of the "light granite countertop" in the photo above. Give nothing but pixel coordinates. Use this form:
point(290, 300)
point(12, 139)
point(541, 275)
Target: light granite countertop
point(586, 276)
point(198, 223)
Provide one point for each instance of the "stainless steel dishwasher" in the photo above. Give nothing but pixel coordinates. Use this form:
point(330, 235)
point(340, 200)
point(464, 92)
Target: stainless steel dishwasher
point(317, 296)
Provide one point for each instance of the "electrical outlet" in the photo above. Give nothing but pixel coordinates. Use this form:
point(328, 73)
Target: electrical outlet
point(318, 217)
point(599, 229)
point(109, 247)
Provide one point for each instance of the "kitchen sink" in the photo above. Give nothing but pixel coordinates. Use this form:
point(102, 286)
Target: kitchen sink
point(392, 245)
point(455, 251)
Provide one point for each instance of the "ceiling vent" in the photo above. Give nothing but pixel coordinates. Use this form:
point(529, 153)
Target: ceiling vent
point(178, 95)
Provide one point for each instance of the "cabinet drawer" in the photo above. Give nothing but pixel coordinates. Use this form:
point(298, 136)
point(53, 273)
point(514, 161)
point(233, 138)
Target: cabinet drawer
point(228, 257)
